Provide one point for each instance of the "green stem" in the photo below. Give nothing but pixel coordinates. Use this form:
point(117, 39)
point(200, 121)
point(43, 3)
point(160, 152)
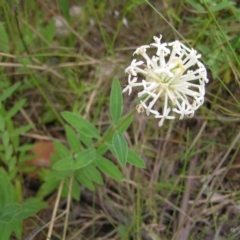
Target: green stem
point(114, 129)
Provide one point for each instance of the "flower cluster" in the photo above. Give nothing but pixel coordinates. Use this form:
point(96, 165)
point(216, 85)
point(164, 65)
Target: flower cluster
point(172, 82)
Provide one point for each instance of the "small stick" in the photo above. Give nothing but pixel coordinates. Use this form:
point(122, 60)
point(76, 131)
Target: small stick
point(55, 211)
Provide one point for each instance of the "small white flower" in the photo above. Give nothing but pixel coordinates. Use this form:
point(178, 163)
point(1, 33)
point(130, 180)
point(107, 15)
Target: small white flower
point(125, 22)
point(133, 68)
point(131, 83)
point(75, 11)
point(172, 82)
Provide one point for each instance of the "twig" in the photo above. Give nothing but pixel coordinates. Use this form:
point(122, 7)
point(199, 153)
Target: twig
point(55, 211)
point(162, 151)
point(184, 231)
point(33, 234)
point(91, 98)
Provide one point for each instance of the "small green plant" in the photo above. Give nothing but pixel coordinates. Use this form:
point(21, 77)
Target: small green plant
point(87, 155)
point(13, 210)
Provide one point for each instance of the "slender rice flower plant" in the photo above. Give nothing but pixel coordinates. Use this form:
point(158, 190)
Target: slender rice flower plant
point(172, 81)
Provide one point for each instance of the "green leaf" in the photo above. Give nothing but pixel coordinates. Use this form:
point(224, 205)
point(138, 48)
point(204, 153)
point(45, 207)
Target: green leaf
point(86, 140)
point(10, 129)
point(135, 160)
point(84, 158)
point(31, 207)
point(17, 228)
point(4, 39)
point(61, 150)
point(83, 126)
point(9, 92)
point(65, 9)
point(9, 212)
point(107, 167)
point(75, 193)
point(81, 160)
point(196, 5)
point(120, 147)
point(72, 139)
point(21, 130)
point(12, 163)
point(6, 139)
point(6, 230)
point(54, 176)
point(15, 109)
point(2, 124)
point(47, 188)
point(6, 189)
point(103, 149)
point(236, 41)
point(76, 190)
point(49, 31)
point(93, 174)
point(126, 121)
point(18, 189)
point(24, 157)
point(122, 230)
point(64, 164)
point(83, 180)
point(25, 148)
point(21, 211)
point(222, 6)
point(116, 102)
point(8, 153)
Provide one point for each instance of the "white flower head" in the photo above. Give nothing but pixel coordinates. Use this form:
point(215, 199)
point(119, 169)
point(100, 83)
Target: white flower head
point(171, 82)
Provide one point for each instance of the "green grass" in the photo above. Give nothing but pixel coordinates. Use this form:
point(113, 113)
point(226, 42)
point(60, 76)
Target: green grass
point(189, 189)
